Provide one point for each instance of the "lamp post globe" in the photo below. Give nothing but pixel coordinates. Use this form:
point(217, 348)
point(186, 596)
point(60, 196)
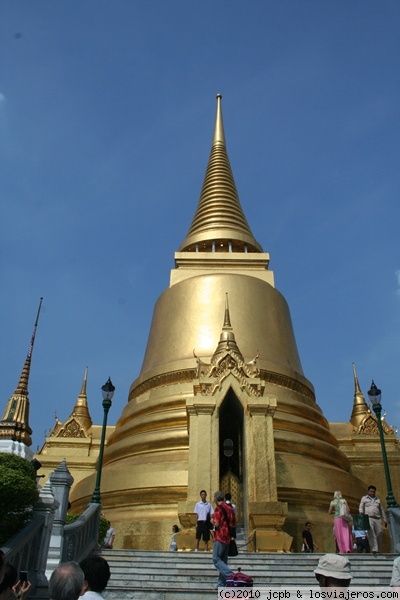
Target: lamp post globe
point(375, 395)
point(108, 391)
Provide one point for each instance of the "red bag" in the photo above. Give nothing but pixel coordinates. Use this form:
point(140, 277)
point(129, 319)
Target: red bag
point(239, 579)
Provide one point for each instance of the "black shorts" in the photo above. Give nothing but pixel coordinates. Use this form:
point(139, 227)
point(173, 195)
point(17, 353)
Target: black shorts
point(203, 530)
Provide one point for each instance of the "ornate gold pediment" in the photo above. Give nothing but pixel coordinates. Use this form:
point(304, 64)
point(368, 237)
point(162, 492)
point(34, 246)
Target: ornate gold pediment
point(369, 426)
point(70, 429)
point(211, 376)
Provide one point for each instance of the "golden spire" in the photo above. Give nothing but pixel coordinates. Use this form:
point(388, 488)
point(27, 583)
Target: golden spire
point(360, 407)
point(81, 410)
point(79, 422)
point(15, 422)
point(227, 342)
point(219, 224)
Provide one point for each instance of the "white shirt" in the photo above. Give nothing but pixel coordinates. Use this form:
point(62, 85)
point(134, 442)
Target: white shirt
point(89, 595)
point(202, 509)
point(109, 535)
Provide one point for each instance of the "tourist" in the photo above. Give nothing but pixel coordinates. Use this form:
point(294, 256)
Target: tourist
point(204, 511)
point(66, 582)
point(108, 541)
point(96, 571)
point(371, 505)
point(308, 542)
point(9, 586)
point(228, 500)
point(333, 571)
point(173, 547)
point(224, 520)
point(361, 540)
point(341, 527)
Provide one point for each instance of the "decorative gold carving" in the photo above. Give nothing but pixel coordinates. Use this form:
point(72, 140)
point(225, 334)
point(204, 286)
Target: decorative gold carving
point(227, 359)
point(187, 375)
point(369, 426)
point(70, 429)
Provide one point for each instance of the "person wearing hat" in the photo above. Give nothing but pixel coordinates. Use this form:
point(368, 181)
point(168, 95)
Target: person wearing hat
point(333, 571)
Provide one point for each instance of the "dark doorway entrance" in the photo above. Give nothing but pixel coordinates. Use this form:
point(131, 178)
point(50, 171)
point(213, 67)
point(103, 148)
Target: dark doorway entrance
point(231, 449)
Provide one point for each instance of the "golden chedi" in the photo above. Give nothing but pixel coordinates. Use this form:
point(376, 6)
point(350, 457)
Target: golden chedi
point(221, 401)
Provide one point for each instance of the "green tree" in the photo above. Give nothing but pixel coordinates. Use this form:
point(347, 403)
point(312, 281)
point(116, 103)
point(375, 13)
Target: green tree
point(18, 493)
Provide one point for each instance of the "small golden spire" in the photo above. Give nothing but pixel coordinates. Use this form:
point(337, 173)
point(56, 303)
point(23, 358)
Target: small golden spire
point(227, 321)
point(219, 224)
point(360, 407)
point(219, 135)
point(79, 422)
point(22, 387)
point(227, 342)
point(81, 409)
point(15, 422)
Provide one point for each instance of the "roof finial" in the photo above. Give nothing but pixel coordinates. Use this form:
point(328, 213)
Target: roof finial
point(227, 319)
point(15, 422)
point(227, 342)
point(360, 408)
point(24, 378)
point(219, 135)
point(357, 389)
point(219, 217)
point(83, 390)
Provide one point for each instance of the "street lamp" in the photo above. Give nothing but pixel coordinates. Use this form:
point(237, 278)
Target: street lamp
point(108, 392)
point(375, 397)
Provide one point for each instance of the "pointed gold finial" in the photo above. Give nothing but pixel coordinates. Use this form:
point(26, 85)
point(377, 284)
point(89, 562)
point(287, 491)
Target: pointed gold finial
point(219, 135)
point(22, 387)
point(79, 422)
point(219, 224)
point(360, 407)
point(15, 422)
point(81, 408)
point(357, 389)
point(227, 341)
point(227, 320)
point(83, 390)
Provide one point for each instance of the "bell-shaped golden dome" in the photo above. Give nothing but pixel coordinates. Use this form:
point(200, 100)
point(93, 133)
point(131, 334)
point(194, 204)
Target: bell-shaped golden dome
point(205, 381)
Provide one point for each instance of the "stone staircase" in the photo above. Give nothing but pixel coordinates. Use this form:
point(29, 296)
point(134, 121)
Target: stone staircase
point(149, 575)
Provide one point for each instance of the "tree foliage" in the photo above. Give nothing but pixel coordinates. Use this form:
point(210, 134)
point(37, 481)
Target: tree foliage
point(18, 493)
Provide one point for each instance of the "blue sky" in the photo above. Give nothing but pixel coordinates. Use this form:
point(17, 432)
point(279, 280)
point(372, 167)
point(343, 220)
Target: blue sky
point(106, 118)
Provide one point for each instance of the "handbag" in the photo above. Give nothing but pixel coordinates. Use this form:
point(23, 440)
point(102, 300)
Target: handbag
point(344, 512)
point(233, 549)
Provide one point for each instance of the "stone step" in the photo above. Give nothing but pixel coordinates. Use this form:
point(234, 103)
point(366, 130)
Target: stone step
point(177, 575)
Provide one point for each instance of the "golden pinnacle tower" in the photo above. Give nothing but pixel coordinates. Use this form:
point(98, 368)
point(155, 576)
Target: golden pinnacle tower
point(15, 432)
point(221, 401)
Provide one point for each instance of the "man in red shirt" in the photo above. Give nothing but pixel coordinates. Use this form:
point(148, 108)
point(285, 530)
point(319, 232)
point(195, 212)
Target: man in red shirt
point(224, 521)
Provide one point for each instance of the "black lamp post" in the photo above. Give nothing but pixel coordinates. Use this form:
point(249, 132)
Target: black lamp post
point(108, 392)
point(375, 397)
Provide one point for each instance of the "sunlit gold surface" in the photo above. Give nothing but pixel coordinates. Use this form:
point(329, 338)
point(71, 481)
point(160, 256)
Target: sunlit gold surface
point(219, 217)
point(166, 446)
